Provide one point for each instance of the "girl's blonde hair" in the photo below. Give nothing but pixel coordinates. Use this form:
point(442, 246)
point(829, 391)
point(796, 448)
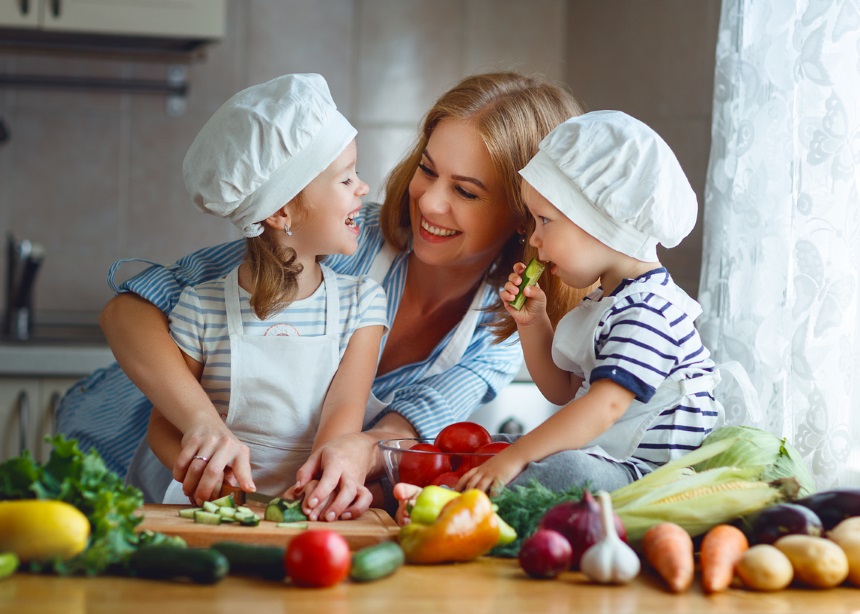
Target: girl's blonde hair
point(274, 270)
point(512, 113)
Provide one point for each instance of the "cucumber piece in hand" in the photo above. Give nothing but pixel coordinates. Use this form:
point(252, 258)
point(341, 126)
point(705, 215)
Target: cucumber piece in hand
point(530, 277)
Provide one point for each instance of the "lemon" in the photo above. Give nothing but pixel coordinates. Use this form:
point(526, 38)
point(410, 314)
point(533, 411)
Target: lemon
point(37, 530)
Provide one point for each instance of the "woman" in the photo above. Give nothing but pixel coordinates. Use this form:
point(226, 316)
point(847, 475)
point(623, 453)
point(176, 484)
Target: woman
point(452, 224)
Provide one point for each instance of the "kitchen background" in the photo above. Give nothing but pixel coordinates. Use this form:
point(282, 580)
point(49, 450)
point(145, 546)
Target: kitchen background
point(96, 176)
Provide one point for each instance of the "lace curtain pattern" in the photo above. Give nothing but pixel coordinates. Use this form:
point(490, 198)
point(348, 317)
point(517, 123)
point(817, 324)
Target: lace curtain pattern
point(781, 257)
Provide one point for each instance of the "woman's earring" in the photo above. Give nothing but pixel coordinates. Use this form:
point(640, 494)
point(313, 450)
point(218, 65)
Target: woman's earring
point(287, 230)
point(523, 239)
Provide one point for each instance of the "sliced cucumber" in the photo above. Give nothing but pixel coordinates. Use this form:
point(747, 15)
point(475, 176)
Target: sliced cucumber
point(244, 510)
point(207, 518)
point(227, 512)
point(208, 506)
point(530, 277)
point(188, 512)
point(226, 501)
point(247, 520)
point(281, 510)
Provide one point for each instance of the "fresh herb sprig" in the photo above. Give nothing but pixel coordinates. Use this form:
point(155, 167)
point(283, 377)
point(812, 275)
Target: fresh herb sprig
point(522, 508)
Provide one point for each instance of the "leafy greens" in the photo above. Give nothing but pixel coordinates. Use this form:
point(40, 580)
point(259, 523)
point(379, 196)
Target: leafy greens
point(84, 481)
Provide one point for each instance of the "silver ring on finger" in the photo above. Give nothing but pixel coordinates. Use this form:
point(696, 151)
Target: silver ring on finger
point(205, 459)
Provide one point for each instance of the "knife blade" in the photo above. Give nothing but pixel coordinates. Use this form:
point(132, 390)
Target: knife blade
point(241, 497)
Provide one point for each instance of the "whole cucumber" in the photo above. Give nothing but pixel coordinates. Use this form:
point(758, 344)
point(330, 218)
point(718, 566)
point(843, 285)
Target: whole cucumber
point(375, 562)
point(833, 506)
point(254, 560)
point(169, 562)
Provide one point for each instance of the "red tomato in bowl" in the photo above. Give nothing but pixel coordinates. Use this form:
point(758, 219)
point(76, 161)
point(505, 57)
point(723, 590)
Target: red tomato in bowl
point(462, 437)
point(420, 468)
point(317, 558)
point(470, 462)
point(449, 479)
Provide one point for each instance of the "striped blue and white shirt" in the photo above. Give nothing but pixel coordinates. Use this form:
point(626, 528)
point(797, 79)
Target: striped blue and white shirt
point(642, 341)
point(198, 324)
point(107, 412)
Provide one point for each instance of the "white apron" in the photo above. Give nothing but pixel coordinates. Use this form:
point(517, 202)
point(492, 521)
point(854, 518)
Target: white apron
point(449, 356)
point(277, 388)
point(577, 330)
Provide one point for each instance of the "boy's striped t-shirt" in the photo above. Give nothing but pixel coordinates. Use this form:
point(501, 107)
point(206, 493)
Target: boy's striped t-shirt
point(640, 342)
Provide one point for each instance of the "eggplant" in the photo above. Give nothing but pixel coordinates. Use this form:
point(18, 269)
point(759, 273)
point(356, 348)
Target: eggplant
point(833, 506)
point(784, 519)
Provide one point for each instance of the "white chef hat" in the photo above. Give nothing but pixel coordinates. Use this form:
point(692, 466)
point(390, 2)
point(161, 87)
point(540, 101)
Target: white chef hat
point(262, 147)
point(615, 178)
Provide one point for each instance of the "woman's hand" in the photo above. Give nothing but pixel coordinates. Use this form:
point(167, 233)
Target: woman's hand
point(339, 466)
point(533, 309)
point(224, 456)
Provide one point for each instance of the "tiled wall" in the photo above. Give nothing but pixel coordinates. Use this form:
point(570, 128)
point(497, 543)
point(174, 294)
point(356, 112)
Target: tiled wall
point(96, 176)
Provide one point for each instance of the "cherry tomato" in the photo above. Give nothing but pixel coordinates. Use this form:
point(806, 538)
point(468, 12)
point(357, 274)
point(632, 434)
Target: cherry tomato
point(470, 462)
point(449, 479)
point(462, 437)
point(421, 468)
point(317, 558)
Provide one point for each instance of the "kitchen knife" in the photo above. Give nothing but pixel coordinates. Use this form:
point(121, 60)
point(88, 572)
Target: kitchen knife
point(241, 497)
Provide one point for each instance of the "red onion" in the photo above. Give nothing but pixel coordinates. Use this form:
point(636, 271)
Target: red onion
point(579, 522)
point(545, 554)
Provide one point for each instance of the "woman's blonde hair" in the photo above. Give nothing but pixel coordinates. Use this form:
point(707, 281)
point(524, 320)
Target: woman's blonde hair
point(274, 270)
point(512, 113)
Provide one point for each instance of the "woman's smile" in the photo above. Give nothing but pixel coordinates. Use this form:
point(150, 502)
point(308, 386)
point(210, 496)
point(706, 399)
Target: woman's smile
point(433, 232)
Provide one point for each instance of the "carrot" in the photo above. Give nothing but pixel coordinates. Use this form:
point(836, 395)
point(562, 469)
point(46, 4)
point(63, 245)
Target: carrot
point(722, 548)
point(669, 550)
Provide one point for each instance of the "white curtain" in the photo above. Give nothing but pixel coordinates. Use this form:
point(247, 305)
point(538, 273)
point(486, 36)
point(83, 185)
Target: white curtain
point(781, 258)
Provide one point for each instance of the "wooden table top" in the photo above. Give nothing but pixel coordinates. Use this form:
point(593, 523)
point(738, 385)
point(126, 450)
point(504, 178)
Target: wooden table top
point(486, 586)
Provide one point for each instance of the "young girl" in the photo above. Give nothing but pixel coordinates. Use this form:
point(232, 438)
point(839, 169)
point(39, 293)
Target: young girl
point(627, 364)
point(285, 348)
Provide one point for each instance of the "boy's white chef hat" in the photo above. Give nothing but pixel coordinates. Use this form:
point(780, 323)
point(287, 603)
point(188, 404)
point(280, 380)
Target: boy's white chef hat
point(262, 147)
point(615, 178)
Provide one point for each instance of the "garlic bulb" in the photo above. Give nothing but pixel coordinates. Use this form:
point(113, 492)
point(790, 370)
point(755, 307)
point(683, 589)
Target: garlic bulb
point(610, 560)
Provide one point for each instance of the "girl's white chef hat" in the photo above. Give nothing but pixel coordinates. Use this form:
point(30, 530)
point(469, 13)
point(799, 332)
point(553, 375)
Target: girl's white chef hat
point(615, 178)
point(262, 147)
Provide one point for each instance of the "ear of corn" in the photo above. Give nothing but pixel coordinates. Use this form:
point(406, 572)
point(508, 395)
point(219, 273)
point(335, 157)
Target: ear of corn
point(694, 500)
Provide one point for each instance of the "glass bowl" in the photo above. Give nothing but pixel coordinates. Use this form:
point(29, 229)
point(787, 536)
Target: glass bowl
point(422, 467)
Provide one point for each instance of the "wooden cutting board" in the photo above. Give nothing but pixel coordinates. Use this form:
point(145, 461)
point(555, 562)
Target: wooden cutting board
point(372, 527)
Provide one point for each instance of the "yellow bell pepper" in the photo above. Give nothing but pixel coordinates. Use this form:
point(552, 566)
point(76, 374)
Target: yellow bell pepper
point(466, 528)
point(430, 501)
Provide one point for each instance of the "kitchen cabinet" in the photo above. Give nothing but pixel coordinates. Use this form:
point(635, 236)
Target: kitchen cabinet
point(201, 19)
point(27, 408)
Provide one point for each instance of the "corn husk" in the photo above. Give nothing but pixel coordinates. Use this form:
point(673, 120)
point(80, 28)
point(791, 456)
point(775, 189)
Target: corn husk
point(774, 456)
point(695, 500)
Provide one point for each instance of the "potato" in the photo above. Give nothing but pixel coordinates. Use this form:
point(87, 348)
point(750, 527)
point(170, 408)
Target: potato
point(849, 541)
point(849, 525)
point(817, 562)
point(764, 568)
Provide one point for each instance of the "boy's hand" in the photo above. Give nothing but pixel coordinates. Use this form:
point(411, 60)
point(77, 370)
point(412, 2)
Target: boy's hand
point(491, 475)
point(533, 308)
